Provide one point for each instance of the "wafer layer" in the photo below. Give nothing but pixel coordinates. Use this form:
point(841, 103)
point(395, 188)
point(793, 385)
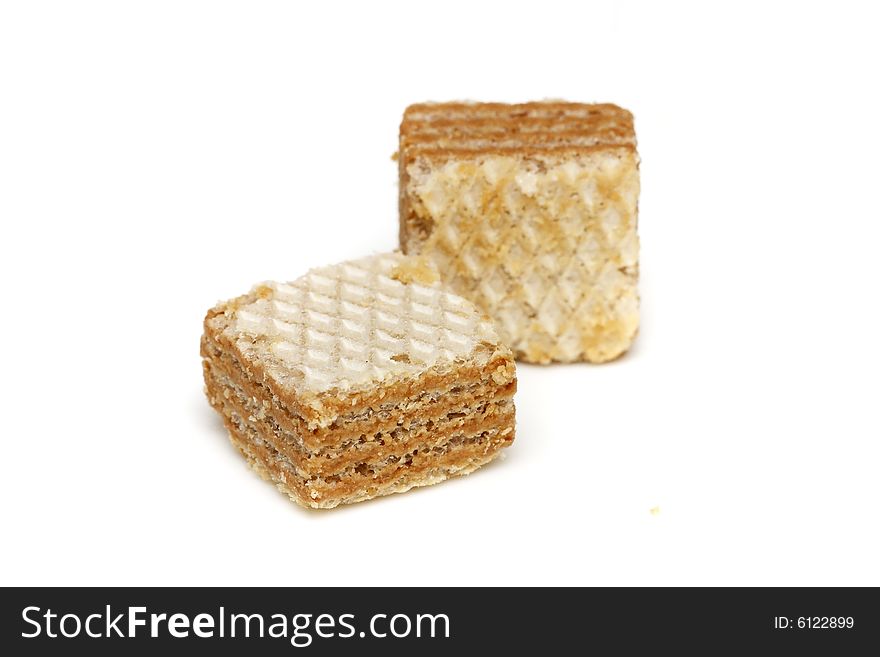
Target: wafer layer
point(458, 457)
point(530, 212)
point(420, 398)
point(432, 427)
point(419, 456)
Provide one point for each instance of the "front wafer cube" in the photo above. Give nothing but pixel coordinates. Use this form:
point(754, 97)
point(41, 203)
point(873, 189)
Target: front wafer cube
point(529, 211)
point(358, 380)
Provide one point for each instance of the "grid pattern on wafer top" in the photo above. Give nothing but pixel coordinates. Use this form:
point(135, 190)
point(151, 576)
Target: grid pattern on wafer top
point(353, 323)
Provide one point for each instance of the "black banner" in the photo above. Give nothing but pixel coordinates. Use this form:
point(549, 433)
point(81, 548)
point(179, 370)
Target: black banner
point(113, 621)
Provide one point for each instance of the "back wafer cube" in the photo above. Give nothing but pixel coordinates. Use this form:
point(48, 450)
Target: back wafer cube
point(530, 212)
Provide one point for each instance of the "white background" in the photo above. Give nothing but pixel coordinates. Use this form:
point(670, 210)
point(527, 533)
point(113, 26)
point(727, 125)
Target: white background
point(156, 157)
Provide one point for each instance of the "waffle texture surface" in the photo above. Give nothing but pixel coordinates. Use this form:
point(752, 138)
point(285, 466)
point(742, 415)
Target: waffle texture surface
point(356, 324)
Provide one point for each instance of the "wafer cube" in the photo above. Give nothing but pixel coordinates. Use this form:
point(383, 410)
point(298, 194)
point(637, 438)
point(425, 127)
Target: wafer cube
point(529, 211)
point(358, 380)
